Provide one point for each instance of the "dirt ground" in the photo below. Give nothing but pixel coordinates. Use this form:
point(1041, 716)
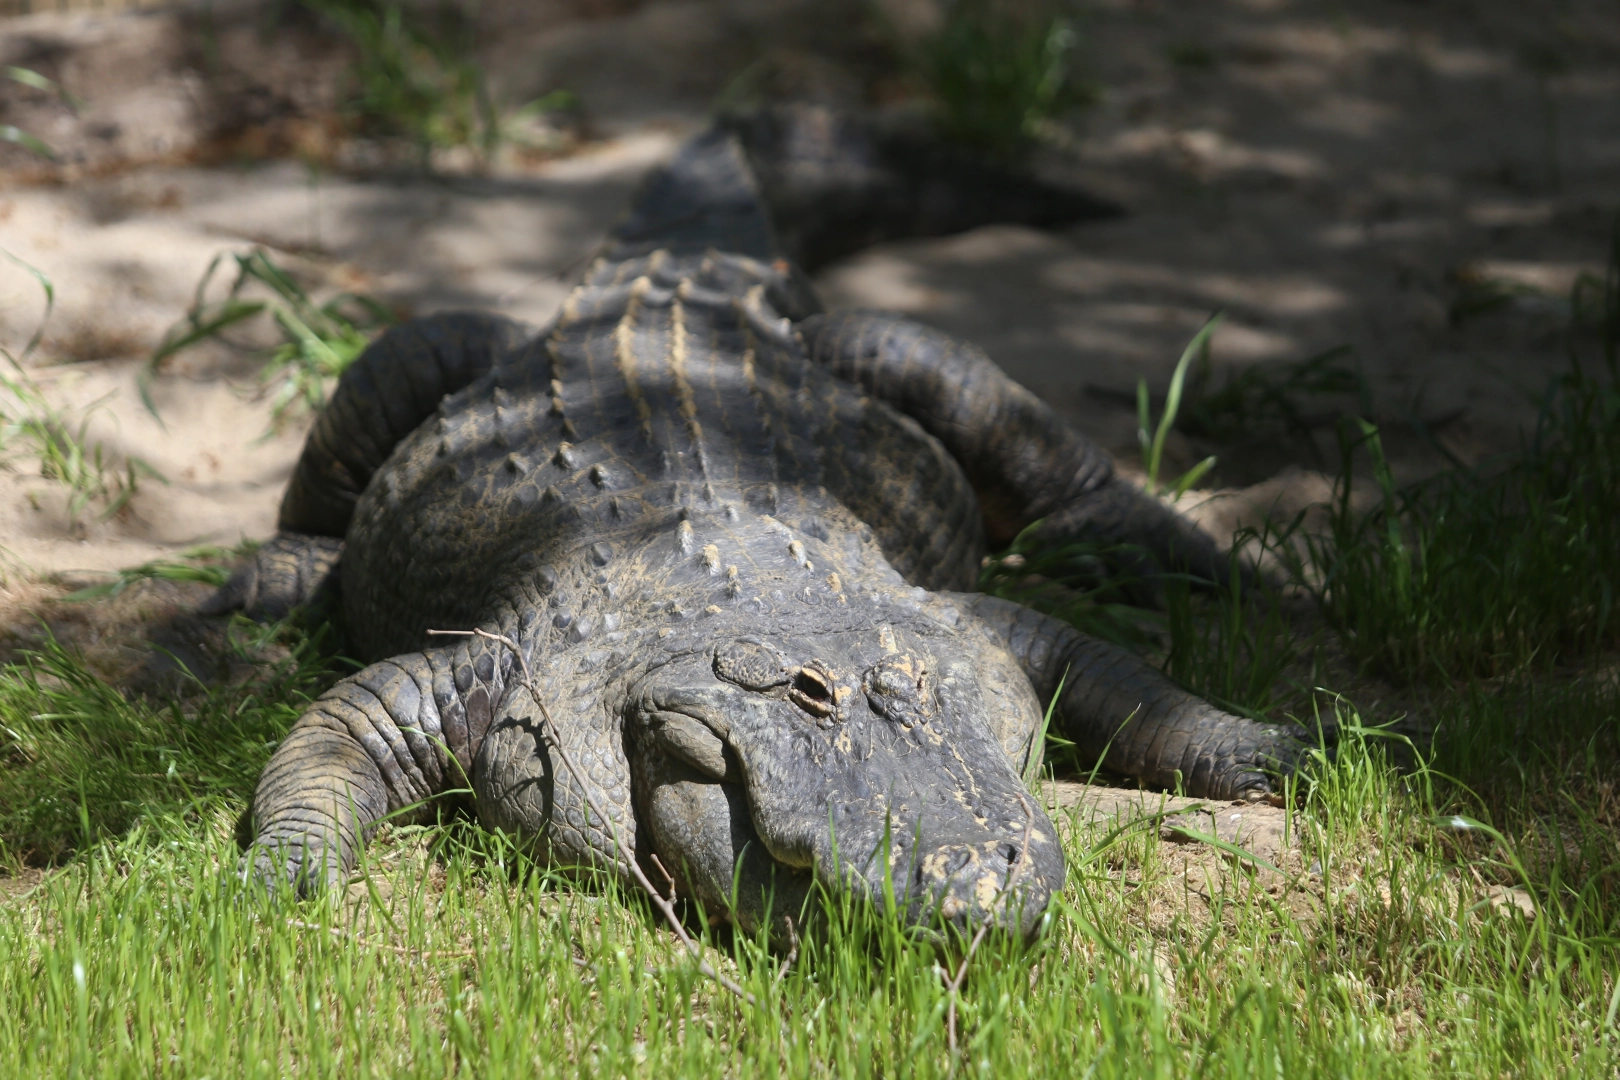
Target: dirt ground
point(1328, 173)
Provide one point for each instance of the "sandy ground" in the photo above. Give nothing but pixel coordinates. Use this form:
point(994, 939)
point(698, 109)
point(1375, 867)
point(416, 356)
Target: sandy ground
point(1327, 173)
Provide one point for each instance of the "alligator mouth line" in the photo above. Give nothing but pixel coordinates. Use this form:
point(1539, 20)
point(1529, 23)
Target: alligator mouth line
point(687, 734)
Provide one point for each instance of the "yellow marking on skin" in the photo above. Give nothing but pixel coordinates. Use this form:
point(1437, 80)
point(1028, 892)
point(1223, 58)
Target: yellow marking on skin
point(570, 311)
point(835, 583)
point(973, 784)
point(712, 609)
point(886, 639)
point(624, 356)
point(685, 537)
point(678, 349)
point(985, 890)
point(842, 743)
point(933, 865)
point(710, 558)
point(754, 302)
point(749, 357)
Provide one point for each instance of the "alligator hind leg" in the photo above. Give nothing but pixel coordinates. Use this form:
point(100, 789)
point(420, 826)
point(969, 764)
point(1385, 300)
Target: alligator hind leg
point(287, 571)
point(382, 397)
point(1124, 713)
point(1025, 464)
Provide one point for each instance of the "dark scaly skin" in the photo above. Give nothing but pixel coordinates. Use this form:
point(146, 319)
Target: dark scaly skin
point(837, 183)
point(1024, 463)
point(1120, 710)
point(734, 561)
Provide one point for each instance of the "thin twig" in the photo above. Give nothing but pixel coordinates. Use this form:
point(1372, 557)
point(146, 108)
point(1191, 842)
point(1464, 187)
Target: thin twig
point(793, 949)
point(428, 954)
point(668, 880)
point(953, 986)
point(401, 950)
point(553, 736)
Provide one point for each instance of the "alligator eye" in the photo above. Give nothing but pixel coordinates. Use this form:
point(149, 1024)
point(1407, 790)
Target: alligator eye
point(811, 692)
point(751, 665)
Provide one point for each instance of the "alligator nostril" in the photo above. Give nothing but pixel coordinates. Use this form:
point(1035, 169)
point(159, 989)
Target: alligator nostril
point(1008, 853)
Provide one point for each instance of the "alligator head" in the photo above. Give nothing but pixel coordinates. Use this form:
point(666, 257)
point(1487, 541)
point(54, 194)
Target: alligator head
point(868, 760)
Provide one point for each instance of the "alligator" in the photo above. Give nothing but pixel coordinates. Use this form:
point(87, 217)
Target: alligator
point(732, 536)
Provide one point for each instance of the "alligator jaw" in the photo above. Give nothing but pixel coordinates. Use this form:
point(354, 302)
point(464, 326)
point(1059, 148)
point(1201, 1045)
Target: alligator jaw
point(894, 790)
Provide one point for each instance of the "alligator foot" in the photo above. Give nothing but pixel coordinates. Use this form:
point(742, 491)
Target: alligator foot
point(287, 571)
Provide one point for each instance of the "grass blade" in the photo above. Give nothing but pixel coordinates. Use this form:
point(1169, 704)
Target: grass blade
point(11, 133)
point(49, 289)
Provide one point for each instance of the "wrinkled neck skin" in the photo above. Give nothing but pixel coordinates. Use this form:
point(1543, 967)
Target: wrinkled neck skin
point(789, 709)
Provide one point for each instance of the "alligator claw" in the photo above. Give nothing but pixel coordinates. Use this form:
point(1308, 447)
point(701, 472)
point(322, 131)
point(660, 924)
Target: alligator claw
point(305, 873)
point(287, 571)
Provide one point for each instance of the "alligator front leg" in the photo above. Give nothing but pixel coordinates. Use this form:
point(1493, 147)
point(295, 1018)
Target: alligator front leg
point(1025, 464)
point(384, 741)
point(1121, 711)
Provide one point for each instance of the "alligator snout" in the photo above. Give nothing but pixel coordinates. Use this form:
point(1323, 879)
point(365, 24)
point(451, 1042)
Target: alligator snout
point(1006, 883)
point(871, 769)
point(973, 883)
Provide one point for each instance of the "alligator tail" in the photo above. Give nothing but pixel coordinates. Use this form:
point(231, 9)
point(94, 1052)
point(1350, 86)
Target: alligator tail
point(808, 184)
point(704, 197)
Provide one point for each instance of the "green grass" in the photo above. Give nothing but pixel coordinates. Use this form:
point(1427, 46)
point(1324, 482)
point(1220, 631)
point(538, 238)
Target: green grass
point(998, 73)
point(201, 563)
point(56, 438)
point(1484, 572)
point(1237, 647)
point(1151, 436)
point(1090, 585)
point(81, 762)
point(1263, 401)
point(30, 426)
point(414, 76)
point(318, 341)
point(1489, 570)
point(32, 79)
point(452, 956)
